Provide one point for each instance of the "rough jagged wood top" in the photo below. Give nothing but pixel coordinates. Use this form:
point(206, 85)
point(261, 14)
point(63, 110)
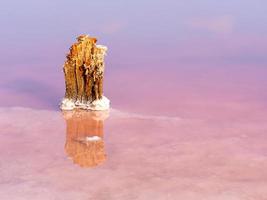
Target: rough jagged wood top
point(84, 70)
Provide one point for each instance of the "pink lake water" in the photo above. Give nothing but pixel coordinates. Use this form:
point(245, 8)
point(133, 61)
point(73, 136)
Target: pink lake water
point(188, 90)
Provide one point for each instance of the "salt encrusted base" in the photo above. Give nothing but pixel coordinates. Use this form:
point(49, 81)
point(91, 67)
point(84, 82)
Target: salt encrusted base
point(100, 104)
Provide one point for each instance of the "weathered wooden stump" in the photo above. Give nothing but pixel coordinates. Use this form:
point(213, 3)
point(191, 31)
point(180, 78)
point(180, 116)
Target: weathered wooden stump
point(84, 73)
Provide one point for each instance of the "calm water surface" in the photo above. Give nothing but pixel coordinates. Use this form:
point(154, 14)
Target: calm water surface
point(188, 90)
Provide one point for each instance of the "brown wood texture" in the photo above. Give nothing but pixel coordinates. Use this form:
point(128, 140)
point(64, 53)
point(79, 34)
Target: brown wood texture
point(83, 69)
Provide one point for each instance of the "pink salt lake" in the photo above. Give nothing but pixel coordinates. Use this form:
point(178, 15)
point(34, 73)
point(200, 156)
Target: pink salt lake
point(188, 118)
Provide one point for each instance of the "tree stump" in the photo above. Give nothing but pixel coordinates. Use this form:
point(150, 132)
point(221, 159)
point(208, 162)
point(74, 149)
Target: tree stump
point(84, 73)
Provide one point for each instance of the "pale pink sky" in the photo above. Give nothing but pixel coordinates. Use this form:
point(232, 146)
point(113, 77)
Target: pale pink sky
point(144, 37)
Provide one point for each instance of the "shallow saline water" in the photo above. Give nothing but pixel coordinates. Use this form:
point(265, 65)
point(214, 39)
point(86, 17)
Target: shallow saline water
point(188, 90)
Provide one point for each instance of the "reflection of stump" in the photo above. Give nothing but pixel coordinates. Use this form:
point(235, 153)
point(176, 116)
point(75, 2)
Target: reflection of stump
point(84, 69)
point(84, 137)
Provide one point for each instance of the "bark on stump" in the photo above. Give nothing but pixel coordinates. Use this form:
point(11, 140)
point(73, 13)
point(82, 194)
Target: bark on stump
point(84, 69)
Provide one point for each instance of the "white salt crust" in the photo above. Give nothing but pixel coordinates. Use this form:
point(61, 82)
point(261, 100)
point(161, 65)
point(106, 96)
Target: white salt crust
point(100, 104)
point(93, 138)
